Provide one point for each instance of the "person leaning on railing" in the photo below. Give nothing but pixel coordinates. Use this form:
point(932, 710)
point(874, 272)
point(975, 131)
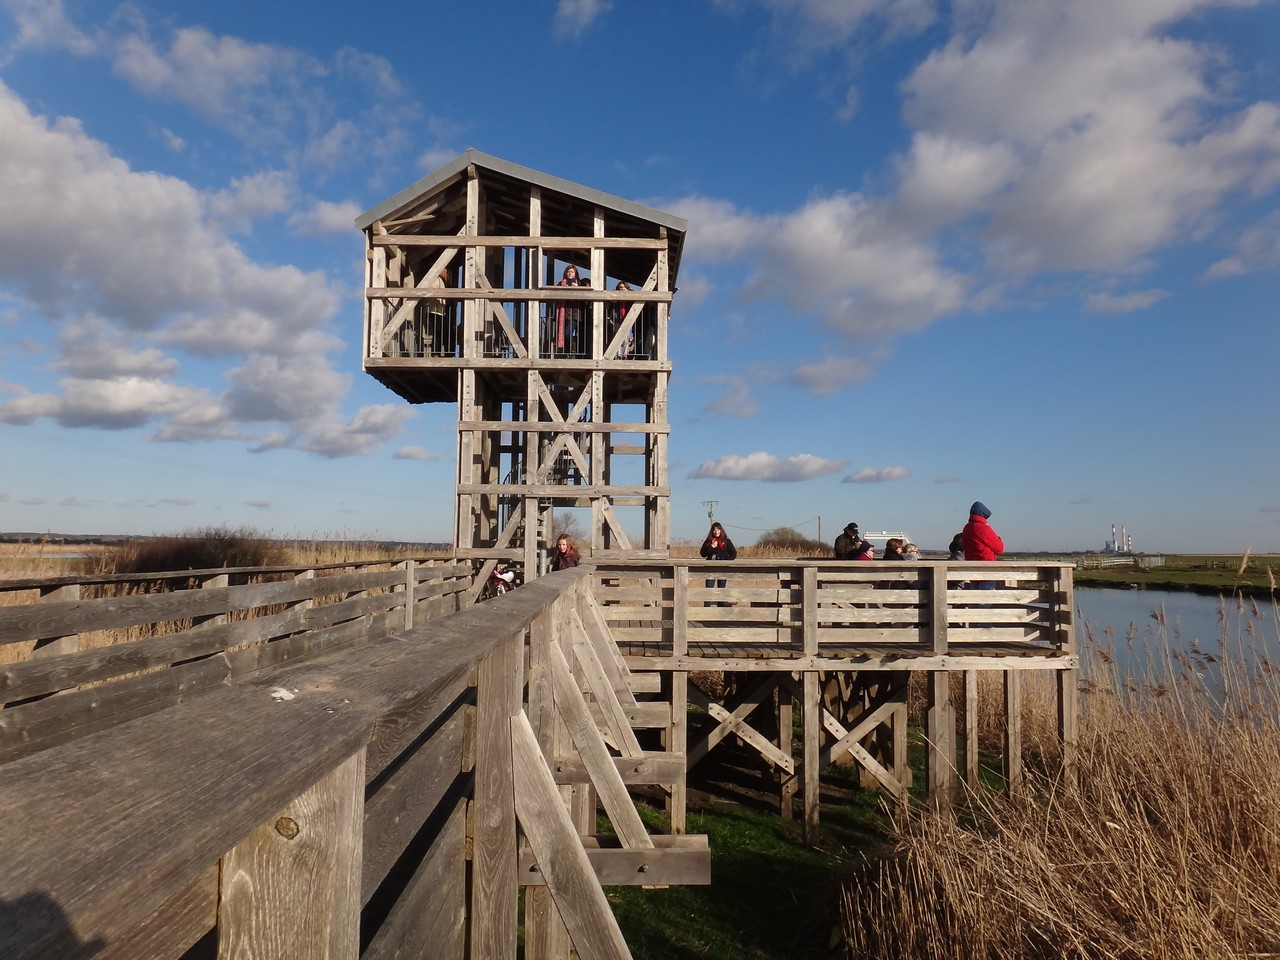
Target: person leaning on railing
point(718, 546)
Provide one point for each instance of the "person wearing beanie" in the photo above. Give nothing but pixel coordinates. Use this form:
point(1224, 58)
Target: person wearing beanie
point(847, 542)
point(980, 540)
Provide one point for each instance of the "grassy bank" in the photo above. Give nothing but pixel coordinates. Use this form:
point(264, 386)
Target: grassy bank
point(1251, 575)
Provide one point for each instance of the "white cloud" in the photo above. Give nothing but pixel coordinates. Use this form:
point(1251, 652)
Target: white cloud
point(83, 237)
point(877, 475)
point(735, 402)
point(1257, 248)
point(1097, 119)
point(253, 198)
point(1123, 303)
point(43, 25)
point(223, 78)
point(412, 453)
point(840, 255)
point(324, 217)
point(835, 373)
point(574, 16)
point(768, 468)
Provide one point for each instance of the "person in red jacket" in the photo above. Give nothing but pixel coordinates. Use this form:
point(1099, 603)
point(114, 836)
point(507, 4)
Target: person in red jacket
point(980, 541)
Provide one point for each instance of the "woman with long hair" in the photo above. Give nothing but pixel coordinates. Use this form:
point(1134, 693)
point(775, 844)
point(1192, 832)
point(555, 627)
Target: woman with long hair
point(565, 554)
point(718, 546)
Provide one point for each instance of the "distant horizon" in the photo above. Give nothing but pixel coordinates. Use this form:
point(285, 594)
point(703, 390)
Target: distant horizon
point(73, 538)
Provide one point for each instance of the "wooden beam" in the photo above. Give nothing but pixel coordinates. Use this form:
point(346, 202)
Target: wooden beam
point(291, 889)
point(561, 859)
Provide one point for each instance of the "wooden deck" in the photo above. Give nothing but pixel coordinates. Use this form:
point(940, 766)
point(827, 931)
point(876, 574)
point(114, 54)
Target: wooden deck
point(342, 763)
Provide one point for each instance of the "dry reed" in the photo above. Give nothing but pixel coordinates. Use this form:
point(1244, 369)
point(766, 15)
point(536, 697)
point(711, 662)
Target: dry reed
point(1168, 847)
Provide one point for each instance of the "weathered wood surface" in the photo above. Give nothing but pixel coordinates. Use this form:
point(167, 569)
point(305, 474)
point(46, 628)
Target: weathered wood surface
point(147, 808)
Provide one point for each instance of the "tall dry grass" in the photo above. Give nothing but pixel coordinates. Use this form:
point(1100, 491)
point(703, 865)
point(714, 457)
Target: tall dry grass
point(1169, 846)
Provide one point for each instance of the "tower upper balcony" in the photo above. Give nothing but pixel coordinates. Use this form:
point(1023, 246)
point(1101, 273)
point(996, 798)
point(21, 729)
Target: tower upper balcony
point(489, 265)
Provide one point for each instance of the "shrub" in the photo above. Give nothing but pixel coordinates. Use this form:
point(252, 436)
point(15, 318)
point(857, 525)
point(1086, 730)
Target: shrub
point(210, 548)
point(787, 540)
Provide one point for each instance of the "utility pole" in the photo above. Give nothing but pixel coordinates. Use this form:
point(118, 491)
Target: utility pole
point(819, 528)
point(711, 509)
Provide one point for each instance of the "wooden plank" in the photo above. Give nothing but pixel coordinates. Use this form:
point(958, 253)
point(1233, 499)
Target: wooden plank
point(53, 720)
point(399, 807)
point(494, 882)
point(559, 853)
point(971, 728)
point(1013, 769)
point(684, 860)
point(57, 619)
point(812, 706)
point(653, 767)
point(291, 889)
point(552, 243)
point(603, 688)
point(940, 731)
point(139, 821)
point(586, 737)
point(182, 920)
point(429, 920)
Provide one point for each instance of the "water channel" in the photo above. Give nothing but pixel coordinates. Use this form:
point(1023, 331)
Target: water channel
point(1136, 626)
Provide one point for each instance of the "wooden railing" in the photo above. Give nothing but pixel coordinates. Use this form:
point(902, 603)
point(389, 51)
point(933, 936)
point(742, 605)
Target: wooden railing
point(934, 612)
point(329, 807)
point(81, 653)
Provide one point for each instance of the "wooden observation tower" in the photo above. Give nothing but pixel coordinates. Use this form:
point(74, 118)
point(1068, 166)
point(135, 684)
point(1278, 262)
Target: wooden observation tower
point(561, 387)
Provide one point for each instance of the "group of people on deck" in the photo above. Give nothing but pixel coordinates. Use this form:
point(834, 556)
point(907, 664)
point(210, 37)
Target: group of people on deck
point(977, 541)
point(569, 327)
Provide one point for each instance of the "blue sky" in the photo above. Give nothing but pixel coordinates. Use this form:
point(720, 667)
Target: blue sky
point(1022, 251)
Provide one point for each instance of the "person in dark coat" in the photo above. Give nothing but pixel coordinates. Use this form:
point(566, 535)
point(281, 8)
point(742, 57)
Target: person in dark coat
point(956, 550)
point(718, 546)
point(847, 542)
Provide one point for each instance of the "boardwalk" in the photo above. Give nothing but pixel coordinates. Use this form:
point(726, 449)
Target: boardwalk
point(354, 762)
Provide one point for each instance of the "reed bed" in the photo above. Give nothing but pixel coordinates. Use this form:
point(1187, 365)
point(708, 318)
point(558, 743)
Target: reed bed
point(1168, 846)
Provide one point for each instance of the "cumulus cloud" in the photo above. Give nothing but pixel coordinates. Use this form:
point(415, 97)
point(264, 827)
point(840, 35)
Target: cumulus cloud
point(1094, 120)
point(842, 256)
point(324, 217)
point(81, 236)
point(877, 475)
point(253, 198)
point(222, 77)
point(765, 466)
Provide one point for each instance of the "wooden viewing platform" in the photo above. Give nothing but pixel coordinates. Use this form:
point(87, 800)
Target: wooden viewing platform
point(340, 762)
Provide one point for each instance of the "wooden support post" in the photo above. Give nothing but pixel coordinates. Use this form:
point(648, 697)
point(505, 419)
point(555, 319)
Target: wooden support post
point(494, 880)
point(291, 889)
point(410, 587)
point(1013, 730)
point(941, 733)
point(54, 646)
point(971, 727)
point(786, 744)
point(812, 771)
point(678, 732)
point(1068, 681)
point(545, 936)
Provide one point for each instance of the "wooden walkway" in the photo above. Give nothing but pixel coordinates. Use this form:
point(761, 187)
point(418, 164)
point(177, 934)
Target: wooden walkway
point(355, 762)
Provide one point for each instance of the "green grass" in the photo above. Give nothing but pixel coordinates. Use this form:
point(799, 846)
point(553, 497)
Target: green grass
point(1251, 575)
point(770, 896)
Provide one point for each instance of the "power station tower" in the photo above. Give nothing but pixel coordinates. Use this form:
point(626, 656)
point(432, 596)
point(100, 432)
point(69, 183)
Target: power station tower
point(561, 388)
